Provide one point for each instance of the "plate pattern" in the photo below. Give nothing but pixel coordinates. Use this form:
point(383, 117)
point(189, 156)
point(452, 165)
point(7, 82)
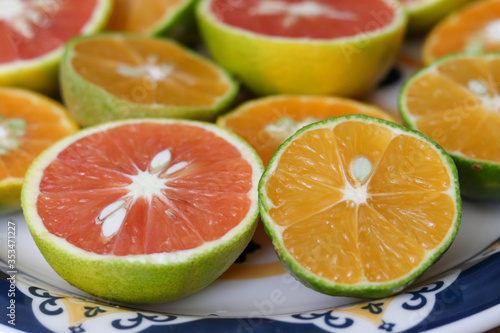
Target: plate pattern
point(445, 299)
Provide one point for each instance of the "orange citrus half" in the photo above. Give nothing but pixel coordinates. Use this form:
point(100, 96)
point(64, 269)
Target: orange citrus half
point(29, 123)
point(112, 76)
point(473, 29)
point(359, 206)
point(456, 101)
point(266, 122)
point(151, 17)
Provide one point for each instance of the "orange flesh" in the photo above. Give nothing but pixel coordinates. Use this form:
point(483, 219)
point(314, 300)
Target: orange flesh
point(199, 203)
point(140, 16)
point(405, 212)
point(252, 122)
point(45, 124)
point(147, 71)
point(465, 29)
point(447, 106)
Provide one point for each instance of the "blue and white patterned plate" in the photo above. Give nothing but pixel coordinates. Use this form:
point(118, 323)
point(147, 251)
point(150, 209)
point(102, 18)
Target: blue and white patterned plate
point(460, 293)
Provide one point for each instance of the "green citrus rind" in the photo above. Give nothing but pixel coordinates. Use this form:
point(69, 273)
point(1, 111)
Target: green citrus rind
point(347, 67)
point(139, 278)
point(42, 74)
point(479, 179)
point(423, 15)
point(368, 289)
point(10, 195)
point(90, 104)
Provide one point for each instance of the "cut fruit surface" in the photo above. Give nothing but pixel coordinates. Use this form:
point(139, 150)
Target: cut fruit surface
point(473, 29)
point(130, 77)
point(33, 34)
point(152, 17)
point(359, 206)
point(29, 123)
point(424, 14)
point(456, 101)
point(316, 47)
point(266, 122)
point(171, 200)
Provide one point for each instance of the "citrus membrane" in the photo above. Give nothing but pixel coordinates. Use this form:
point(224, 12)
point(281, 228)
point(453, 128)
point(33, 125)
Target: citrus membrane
point(143, 210)
point(456, 101)
point(359, 206)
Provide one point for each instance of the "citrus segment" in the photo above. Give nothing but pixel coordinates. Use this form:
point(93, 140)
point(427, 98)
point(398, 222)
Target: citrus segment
point(132, 76)
point(29, 123)
point(393, 209)
point(472, 29)
point(461, 114)
point(266, 122)
point(152, 17)
point(174, 200)
point(34, 34)
point(316, 47)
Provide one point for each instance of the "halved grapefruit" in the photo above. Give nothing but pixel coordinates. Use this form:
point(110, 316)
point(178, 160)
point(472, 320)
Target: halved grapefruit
point(33, 33)
point(143, 210)
point(319, 47)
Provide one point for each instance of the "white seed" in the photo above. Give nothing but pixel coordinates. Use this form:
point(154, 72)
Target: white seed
point(161, 160)
point(113, 222)
point(176, 167)
point(361, 168)
point(111, 208)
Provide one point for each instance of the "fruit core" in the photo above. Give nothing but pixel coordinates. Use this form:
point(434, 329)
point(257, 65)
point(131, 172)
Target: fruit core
point(480, 90)
point(284, 127)
point(322, 19)
point(152, 70)
point(12, 131)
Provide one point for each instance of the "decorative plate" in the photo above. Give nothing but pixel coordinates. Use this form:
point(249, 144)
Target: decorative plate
point(460, 293)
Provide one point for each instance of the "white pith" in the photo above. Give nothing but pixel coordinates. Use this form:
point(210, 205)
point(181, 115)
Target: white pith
point(492, 31)
point(293, 11)
point(35, 174)
point(152, 70)
point(284, 127)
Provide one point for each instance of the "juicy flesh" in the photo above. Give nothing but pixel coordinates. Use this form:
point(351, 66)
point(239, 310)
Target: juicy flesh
point(138, 16)
point(27, 127)
point(474, 29)
point(458, 105)
point(147, 71)
point(266, 125)
point(32, 28)
point(350, 231)
point(145, 188)
point(305, 18)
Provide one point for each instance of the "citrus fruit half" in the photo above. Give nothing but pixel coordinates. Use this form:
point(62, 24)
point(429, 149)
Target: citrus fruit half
point(33, 34)
point(152, 17)
point(424, 14)
point(456, 101)
point(29, 123)
point(266, 122)
point(112, 76)
point(359, 206)
point(143, 210)
point(473, 29)
point(318, 47)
